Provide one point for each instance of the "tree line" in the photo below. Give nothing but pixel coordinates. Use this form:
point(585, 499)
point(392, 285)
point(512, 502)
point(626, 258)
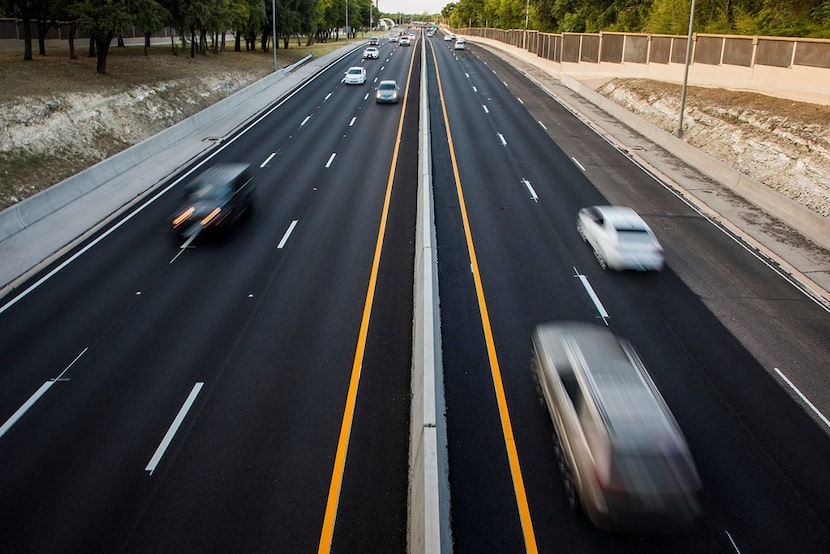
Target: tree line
point(793, 18)
point(196, 20)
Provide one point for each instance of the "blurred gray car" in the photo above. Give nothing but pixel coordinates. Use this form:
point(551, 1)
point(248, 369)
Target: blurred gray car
point(622, 455)
point(215, 199)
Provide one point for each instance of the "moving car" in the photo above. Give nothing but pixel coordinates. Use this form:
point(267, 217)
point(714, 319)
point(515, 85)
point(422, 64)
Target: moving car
point(215, 199)
point(448, 37)
point(355, 76)
point(374, 41)
point(459, 45)
point(405, 41)
point(393, 38)
point(371, 53)
point(620, 238)
point(622, 455)
point(388, 92)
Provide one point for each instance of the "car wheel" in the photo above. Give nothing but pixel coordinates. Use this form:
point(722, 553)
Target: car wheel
point(537, 387)
point(570, 491)
point(581, 232)
point(602, 263)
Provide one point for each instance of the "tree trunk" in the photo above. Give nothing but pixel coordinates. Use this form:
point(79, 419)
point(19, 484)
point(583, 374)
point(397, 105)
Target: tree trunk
point(146, 42)
point(27, 34)
point(103, 46)
point(192, 41)
point(237, 42)
point(72, 30)
point(92, 49)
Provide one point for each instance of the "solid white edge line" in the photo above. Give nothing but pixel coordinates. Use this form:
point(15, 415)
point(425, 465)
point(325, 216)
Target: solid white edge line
point(171, 432)
point(594, 298)
point(268, 159)
point(731, 540)
point(579, 165)
point(803, 398)
point(542, 125)
point(25, 407)
point(287, 234)
point(331, 159)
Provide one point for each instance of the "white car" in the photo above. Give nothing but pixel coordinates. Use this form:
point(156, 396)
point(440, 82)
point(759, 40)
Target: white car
point(459, 45)
point(371, 53)
point(448, 37)
point(393, 38)
point(405, 41)
point(620, 238)
point(355, 76)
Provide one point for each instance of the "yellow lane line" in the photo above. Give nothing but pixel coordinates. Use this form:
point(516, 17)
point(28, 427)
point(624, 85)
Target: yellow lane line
point(351, 397)
point(507, 427)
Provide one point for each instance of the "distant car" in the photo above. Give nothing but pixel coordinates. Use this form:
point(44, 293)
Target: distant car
point(623, 457)
point(374, 41)
point(371, 53)
point(448, 37)
point(393, 38)
point(355, 76)
point(405, 41)
point(215, 199)
point(430, 33)
point(459, 45)
point(620, 238)
point(388, 92)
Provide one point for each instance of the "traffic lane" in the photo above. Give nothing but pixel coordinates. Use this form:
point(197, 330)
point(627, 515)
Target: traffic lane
point(372, 511)
point(210, 269)
point(761, 306)
point(501, 256)
point(483, 506)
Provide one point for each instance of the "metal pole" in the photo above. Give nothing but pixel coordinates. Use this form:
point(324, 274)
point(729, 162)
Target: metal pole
point(274, 17)
point(527, 17)
point(686, 72)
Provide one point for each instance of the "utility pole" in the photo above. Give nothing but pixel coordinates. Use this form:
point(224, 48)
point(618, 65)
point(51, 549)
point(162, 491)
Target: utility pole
point(686, 71)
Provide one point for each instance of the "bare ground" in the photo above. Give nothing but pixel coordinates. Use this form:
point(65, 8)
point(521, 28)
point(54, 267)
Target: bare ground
point(58, 117)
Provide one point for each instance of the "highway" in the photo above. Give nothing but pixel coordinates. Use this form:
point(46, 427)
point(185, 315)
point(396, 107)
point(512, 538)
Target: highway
point(712, 327)
point(251, 392)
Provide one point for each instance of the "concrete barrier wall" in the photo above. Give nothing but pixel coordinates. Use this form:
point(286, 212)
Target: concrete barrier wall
point(429, 496)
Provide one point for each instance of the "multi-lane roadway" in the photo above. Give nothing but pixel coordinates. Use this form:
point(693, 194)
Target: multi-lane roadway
point(251, 392)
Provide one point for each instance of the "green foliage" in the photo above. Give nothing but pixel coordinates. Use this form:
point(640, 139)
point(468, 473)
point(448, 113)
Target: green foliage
point(750, 17)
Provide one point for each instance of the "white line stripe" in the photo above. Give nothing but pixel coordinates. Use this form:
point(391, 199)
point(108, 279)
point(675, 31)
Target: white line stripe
point(504, 82)
point(594, 298)
point(543, 125)
point(475, 89)
point(579, 165)
point(533, 195)
point(485, 108)
point(171, 432)
point(351, 123)
point(305, 120)
point(520, 101)
point(268, 159)
point(804, 398)
point(25, 407)
point(21, 411)
point(287, 234)
point(327, 96)
point(501, 138)
point(331, 159)
point(467, 74)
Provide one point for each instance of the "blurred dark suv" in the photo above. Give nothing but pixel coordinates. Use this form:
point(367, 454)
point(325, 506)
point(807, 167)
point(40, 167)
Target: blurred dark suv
point(215, 199)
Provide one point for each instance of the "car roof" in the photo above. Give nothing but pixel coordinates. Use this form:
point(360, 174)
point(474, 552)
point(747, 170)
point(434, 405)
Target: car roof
point(356, 68)
point(388, 82)
point(622, 218)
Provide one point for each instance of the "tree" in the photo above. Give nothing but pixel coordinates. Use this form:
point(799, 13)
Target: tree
point(102, 19)
point(149, 16)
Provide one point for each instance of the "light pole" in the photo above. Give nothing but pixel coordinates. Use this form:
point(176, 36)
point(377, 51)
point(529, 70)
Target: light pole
point(274, 18)
point(686, 71)
point(527, 18)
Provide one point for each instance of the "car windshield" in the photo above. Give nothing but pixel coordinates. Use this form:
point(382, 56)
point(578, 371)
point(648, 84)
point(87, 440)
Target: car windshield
point(354, 72)
point(386, 86)
point(210, 191)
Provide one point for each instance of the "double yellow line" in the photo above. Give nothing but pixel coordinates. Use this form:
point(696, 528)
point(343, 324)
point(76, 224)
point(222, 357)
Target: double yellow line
point(495, 370)
point(351, 397)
